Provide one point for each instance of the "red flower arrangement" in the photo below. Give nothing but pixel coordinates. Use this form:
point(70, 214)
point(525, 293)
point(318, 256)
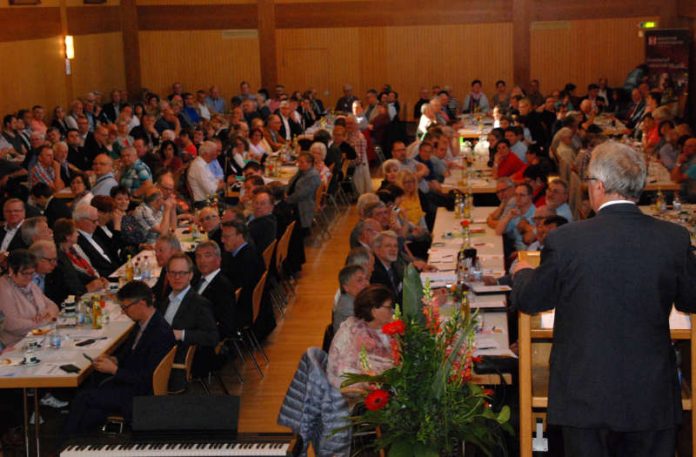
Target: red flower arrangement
point(395, 327)
point(376, 400)
point(465, 223)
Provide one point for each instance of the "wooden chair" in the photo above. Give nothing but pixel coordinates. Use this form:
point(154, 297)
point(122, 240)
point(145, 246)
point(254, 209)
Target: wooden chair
point(160, 382)
point(186, 367)
point(320, 218)
point(268, 254)
point(281, 255)
point(256, 300)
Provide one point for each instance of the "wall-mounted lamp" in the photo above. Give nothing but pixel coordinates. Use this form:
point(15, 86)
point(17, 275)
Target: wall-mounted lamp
point(69, 47)
point(69, 42)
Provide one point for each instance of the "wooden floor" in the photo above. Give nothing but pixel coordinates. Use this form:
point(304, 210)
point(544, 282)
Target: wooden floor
point(303, 326)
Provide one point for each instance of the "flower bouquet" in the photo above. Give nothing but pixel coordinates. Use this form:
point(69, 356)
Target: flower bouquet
point(426, 404)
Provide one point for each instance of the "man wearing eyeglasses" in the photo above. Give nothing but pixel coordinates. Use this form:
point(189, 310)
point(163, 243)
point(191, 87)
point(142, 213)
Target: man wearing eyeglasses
point(524, 209)
point(189, 314)
point(613, 279)
point(505, 191)
point(130, 369)
point(86, 220)
point(46, 261)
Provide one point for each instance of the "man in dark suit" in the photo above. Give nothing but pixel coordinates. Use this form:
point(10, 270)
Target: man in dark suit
point(76, 153)
point(112, 109)
point(288, 126)
point(131, 369)
point(388, 271)
point(262, 228)
point(95, 144)
point(217, 288)
point(13, 212)
point(613, 279)
point(86, 219)
point(51, 207)
point(242, 264)
point(189, 314)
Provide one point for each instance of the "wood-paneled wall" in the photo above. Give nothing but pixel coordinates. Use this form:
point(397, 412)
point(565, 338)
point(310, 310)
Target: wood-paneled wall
point(32, 73)
point(98, 63)
point(198, 59)
point(406, 57)
point(32, 54)
point(581, 51)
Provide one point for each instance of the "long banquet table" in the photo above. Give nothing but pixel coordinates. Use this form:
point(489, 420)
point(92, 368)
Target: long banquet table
point(493, 337)
point(14, 374)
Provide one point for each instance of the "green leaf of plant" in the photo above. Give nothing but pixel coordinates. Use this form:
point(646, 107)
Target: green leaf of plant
point(401, 449)
point(413, 294)
point(504, 415)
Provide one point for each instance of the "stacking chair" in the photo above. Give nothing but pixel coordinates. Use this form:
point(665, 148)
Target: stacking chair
point(257, 300)
point(320, 218)
point(186, 367)
point(285, 280)
point(268, 254)
point(160, 384)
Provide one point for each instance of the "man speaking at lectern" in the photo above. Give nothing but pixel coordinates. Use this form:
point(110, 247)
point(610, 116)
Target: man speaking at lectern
point(613, 384)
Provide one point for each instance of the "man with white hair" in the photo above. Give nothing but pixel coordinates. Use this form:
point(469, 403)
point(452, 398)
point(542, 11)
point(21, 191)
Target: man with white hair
point(200, 178)
point(613, 278)
point(388, 271)
point(86, 220)
point(289, 127)
point(60, 155)
point(103, 167)
point(345, 103)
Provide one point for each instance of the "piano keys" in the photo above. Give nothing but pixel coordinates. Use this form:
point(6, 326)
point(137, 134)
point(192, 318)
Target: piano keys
point(243, 445)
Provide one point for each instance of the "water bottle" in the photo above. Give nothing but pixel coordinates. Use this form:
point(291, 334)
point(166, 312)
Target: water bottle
point(147, 269)
point(56, 339)
point(676, 203)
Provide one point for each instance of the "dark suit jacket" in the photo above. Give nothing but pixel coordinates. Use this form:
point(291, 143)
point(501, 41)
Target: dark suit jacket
point(263, 232)
point(195, 317)
point(295, 128)
point(244, 270)
point(65, 280)
point(113, 244)
point(161, 289)
point(380, 276)
point(109, 110)
point(220, 293)
point(16, 242)
point(135, 366)
point(103, 266)
point(613, 280)
point(77, 157)
point(56, 209)
point(92, 149)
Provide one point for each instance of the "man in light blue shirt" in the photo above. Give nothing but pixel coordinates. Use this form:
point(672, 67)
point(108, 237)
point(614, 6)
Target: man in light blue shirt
point(515, 135)
point(557, 198)
point(524, 209)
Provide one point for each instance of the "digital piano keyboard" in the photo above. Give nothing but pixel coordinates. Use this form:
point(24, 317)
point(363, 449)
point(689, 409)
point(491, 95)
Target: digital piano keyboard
point(242, 445)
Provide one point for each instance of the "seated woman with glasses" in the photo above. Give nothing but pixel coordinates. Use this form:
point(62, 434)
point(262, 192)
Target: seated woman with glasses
point(73, 271)
point(373, 307)
point(22, 303)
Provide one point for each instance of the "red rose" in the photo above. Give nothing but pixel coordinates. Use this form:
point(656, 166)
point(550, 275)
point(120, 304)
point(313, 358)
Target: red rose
point(377, 400)
point(488, 392)
point(465, 223)
point(396, 327)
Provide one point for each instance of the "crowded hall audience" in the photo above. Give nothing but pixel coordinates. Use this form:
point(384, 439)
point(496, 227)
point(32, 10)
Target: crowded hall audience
point(189, 189)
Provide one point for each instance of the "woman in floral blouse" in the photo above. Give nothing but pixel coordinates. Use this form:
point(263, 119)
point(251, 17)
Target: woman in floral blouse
point(362, 333)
